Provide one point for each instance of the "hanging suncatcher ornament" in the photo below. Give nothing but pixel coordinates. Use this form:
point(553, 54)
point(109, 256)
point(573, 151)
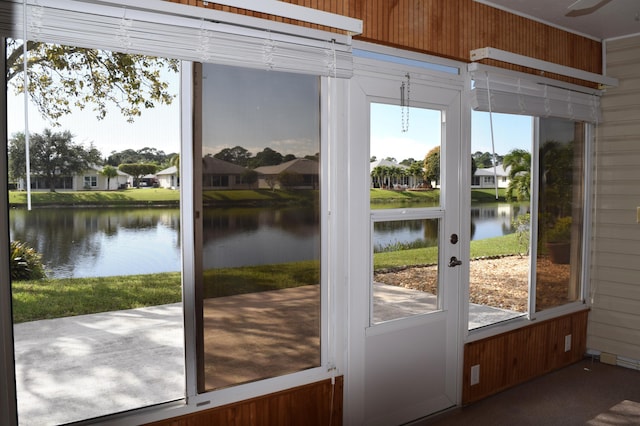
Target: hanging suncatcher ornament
point(405, 94)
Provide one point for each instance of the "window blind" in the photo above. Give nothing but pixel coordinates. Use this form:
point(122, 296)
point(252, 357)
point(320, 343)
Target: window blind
point(518, 93)
point(100, 26)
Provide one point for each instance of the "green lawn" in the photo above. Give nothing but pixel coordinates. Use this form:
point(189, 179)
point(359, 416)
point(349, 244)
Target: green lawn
point(55, 298)
point(172, 196)
point(498, 246)
point(386, 197)
point(119, 197)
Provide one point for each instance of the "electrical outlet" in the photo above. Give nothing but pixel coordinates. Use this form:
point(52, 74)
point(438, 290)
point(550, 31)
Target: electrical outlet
point(567, 343)
point(475, 374)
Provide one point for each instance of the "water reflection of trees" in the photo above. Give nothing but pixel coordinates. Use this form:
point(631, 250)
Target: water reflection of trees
point(429, 228)
point(61, 235)
point(220, 222)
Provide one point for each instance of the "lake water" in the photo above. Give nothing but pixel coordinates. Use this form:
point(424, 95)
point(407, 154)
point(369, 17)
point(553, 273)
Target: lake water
point(124, 241)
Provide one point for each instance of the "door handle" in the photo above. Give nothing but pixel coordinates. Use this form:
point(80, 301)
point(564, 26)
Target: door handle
point(453, 262)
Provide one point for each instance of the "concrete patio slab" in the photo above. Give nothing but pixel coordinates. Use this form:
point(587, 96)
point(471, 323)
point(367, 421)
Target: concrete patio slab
point(75, 368)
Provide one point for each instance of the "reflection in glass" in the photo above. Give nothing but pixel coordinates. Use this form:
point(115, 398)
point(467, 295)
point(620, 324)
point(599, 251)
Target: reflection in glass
point(560, 212)
point(260, 253)
point(412, 289)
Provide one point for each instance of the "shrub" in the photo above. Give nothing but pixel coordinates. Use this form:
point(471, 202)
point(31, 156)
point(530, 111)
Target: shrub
point(560, 232)
point(26, 262)
point(522, 227)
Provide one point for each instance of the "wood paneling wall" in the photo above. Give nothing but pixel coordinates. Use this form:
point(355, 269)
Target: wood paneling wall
point(452, 28)
point(517, 356)
point(614, 323)
point(315, 404)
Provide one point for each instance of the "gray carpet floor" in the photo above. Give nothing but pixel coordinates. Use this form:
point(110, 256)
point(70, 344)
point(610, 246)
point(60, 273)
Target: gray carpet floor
point(587, 393)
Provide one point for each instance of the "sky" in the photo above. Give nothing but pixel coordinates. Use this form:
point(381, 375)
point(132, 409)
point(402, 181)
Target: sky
point(388, 139)
point(256, 109)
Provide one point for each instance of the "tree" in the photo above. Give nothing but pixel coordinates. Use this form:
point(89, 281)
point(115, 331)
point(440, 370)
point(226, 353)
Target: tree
point(474, 167)
point(266, 157)
point(519, 175)
point(138, 170)
point(174, 161)
point(63, 77)
point(486, 159)
point(315, 157)
point(416, 169)
point(236, 155)
point(52, 155)
point(109, 172)
point(556, 178)
point(143, 155)
point(288, 157)
point(432, 165)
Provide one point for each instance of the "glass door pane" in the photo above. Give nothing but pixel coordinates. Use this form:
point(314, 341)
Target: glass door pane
point(260, 235)
point(405, 208)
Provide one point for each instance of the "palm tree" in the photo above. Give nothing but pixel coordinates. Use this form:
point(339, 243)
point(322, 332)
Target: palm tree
point(175, 161)
point(109, 172)
point(416, 170)
point(376, 174)
point(520, 174)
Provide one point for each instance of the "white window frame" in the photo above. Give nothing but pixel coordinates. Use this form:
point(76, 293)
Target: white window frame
point(90, 181)
point(329, 248)
point(590, 117)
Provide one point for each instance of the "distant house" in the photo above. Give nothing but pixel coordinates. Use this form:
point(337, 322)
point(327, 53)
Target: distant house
point(295, 174)
point(168, 178)
point(219, 174)
point(486, 177)
point(90, 179)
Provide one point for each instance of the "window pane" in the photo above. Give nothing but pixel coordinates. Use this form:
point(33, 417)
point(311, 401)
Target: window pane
point(101, 332)
point(560, 212)
point(261, 225)
point(499, 269)
point(411, 289)
point(405, 161)
point(405, 174)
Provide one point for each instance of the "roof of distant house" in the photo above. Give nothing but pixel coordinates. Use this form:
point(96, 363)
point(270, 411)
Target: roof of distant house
point(385, 163)
point(302, 166)
point(488, 171)
point(168, 171)
point(215, 166)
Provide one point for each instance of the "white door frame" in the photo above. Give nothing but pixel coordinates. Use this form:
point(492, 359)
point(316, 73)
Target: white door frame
point(359, 343)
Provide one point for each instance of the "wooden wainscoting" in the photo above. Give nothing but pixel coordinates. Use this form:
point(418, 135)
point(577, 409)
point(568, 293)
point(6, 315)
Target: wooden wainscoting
point(314, 404)
point(517, 356)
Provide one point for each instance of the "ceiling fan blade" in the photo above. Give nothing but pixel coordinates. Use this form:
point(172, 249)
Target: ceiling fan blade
point(584, 4)
point(585, 7)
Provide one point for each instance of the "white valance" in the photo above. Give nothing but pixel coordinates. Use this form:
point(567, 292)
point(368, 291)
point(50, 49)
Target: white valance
point(508, 92)
point(261, 44)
